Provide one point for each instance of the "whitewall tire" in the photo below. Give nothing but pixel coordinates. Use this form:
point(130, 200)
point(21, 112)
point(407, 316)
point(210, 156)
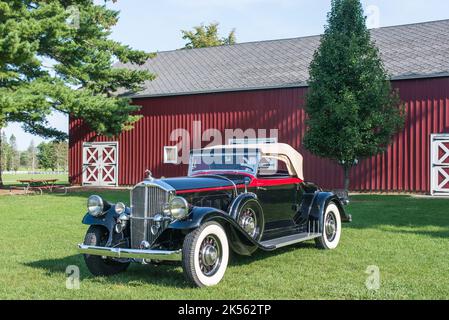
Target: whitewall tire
point(205, 255)
point(331, 232)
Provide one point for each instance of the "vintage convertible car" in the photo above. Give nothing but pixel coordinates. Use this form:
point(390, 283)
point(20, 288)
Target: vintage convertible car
point(235, 197)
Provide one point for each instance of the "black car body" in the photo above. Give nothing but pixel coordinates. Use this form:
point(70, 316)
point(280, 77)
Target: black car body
point(259, 201)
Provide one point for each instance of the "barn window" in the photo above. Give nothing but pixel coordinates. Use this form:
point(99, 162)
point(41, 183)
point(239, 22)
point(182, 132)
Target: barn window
point(171, 154)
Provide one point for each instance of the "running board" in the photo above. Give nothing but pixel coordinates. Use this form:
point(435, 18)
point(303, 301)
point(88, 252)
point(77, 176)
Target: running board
point(289, 240)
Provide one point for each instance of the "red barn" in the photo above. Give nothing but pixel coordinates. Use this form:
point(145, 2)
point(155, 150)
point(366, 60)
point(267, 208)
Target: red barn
point(262, 85)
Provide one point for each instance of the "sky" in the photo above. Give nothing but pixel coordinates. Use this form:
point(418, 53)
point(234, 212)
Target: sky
point(155, 25)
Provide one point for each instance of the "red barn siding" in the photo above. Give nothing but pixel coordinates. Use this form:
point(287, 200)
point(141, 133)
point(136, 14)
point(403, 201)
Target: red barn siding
point(403, 167)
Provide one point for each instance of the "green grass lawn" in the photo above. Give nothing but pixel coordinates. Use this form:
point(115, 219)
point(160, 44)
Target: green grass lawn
point(407, 238)
point(11, 179)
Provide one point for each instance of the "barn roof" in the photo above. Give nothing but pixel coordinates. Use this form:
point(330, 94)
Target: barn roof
point(418, 50)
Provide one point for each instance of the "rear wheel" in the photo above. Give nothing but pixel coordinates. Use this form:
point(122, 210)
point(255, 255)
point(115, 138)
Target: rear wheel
point(205, 255)
point(97, 265)
point(331, 233)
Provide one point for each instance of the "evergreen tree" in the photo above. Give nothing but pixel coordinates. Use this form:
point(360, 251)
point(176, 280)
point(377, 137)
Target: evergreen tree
point(14, 154)
point(61, 151)
point(353, 111)
point(46, 156)
point(24, 159)
point(32, 153)
point(4, 152)
point(56, 55)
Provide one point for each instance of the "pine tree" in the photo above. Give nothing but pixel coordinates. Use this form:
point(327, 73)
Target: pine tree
point(353, 111)
point(14, 153)
point(56, 55)
point(46, 156)
point(32, 154)
point(61, 152)
point(4, 152)
point(24, 159)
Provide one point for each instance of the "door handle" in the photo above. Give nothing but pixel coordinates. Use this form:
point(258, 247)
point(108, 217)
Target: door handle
point(262, 188)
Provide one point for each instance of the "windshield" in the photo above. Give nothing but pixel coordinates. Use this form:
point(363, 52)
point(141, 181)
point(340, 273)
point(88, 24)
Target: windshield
point(246, 160)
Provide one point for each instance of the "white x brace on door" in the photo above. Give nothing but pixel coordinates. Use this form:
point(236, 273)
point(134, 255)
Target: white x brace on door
point(100, 164)
point(439, 175)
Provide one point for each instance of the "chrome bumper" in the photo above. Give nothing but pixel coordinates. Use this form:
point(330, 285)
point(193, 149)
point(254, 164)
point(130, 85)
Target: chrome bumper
point(123, 253)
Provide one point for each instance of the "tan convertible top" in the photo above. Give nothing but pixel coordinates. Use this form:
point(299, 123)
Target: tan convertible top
point(282, 151)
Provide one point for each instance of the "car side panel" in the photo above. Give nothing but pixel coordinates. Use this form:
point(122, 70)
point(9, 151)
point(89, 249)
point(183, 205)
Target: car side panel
point(239, 240)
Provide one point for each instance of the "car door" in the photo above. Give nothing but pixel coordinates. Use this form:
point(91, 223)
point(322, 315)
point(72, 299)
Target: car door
point(277, 193)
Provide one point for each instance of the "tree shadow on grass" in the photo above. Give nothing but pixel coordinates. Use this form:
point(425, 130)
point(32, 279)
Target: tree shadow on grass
point(400, 214)
point(415, 230)
point(259, 255)
point(136, 275)
point(165, 275)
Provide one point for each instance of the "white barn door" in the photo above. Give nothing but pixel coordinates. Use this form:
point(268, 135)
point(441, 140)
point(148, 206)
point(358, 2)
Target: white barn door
point(439, 175)
point(100, 164)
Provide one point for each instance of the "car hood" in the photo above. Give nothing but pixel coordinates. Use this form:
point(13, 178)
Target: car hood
point(203, 182)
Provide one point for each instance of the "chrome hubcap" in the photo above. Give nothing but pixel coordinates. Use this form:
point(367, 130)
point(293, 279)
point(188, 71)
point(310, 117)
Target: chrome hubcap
point(248, 221)
point(331, 226)
point(210, 255)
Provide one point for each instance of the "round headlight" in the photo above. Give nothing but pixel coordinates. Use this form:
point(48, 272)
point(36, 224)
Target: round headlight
point(179, 208)
point(120, 207)
point(95, 206)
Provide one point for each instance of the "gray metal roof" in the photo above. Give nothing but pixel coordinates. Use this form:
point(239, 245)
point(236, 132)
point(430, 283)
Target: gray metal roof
point(410, 51)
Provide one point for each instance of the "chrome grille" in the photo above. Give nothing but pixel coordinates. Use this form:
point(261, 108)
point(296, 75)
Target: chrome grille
point(146, 202)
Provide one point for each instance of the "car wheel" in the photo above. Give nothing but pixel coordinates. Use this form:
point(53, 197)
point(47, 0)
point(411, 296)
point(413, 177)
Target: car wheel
point(97, 265)
point(250, 218)
point(205, 255)
point(331, 233)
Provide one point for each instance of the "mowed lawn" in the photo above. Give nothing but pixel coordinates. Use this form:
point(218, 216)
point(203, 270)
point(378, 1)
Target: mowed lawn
point(11, 179)
point(407, 238)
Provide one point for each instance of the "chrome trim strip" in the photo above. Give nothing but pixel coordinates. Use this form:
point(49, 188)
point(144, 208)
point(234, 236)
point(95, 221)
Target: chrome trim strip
point(309, 237)
point(161, 255)
point(156, 183)
point(146, 215)
point(152, 218)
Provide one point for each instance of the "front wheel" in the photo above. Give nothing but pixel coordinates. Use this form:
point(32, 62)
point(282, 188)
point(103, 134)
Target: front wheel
point(99, 266)
point(205, 255)
point(331, 232)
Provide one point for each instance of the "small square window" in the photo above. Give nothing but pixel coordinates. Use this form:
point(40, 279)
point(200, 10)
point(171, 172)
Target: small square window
point(171, 154)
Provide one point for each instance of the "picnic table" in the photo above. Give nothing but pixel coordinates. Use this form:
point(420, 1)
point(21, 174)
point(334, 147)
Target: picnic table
point(40, 185)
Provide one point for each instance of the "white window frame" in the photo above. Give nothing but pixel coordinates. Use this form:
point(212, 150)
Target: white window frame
point(168, 151)
point(252, 140)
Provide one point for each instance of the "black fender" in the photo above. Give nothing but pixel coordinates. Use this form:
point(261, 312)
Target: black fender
point(318, 207)
point(242, 200)
point(239, 202)
point(108, 220)
point(239, 241)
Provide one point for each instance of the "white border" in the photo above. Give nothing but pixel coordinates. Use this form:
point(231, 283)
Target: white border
point(167, 161)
